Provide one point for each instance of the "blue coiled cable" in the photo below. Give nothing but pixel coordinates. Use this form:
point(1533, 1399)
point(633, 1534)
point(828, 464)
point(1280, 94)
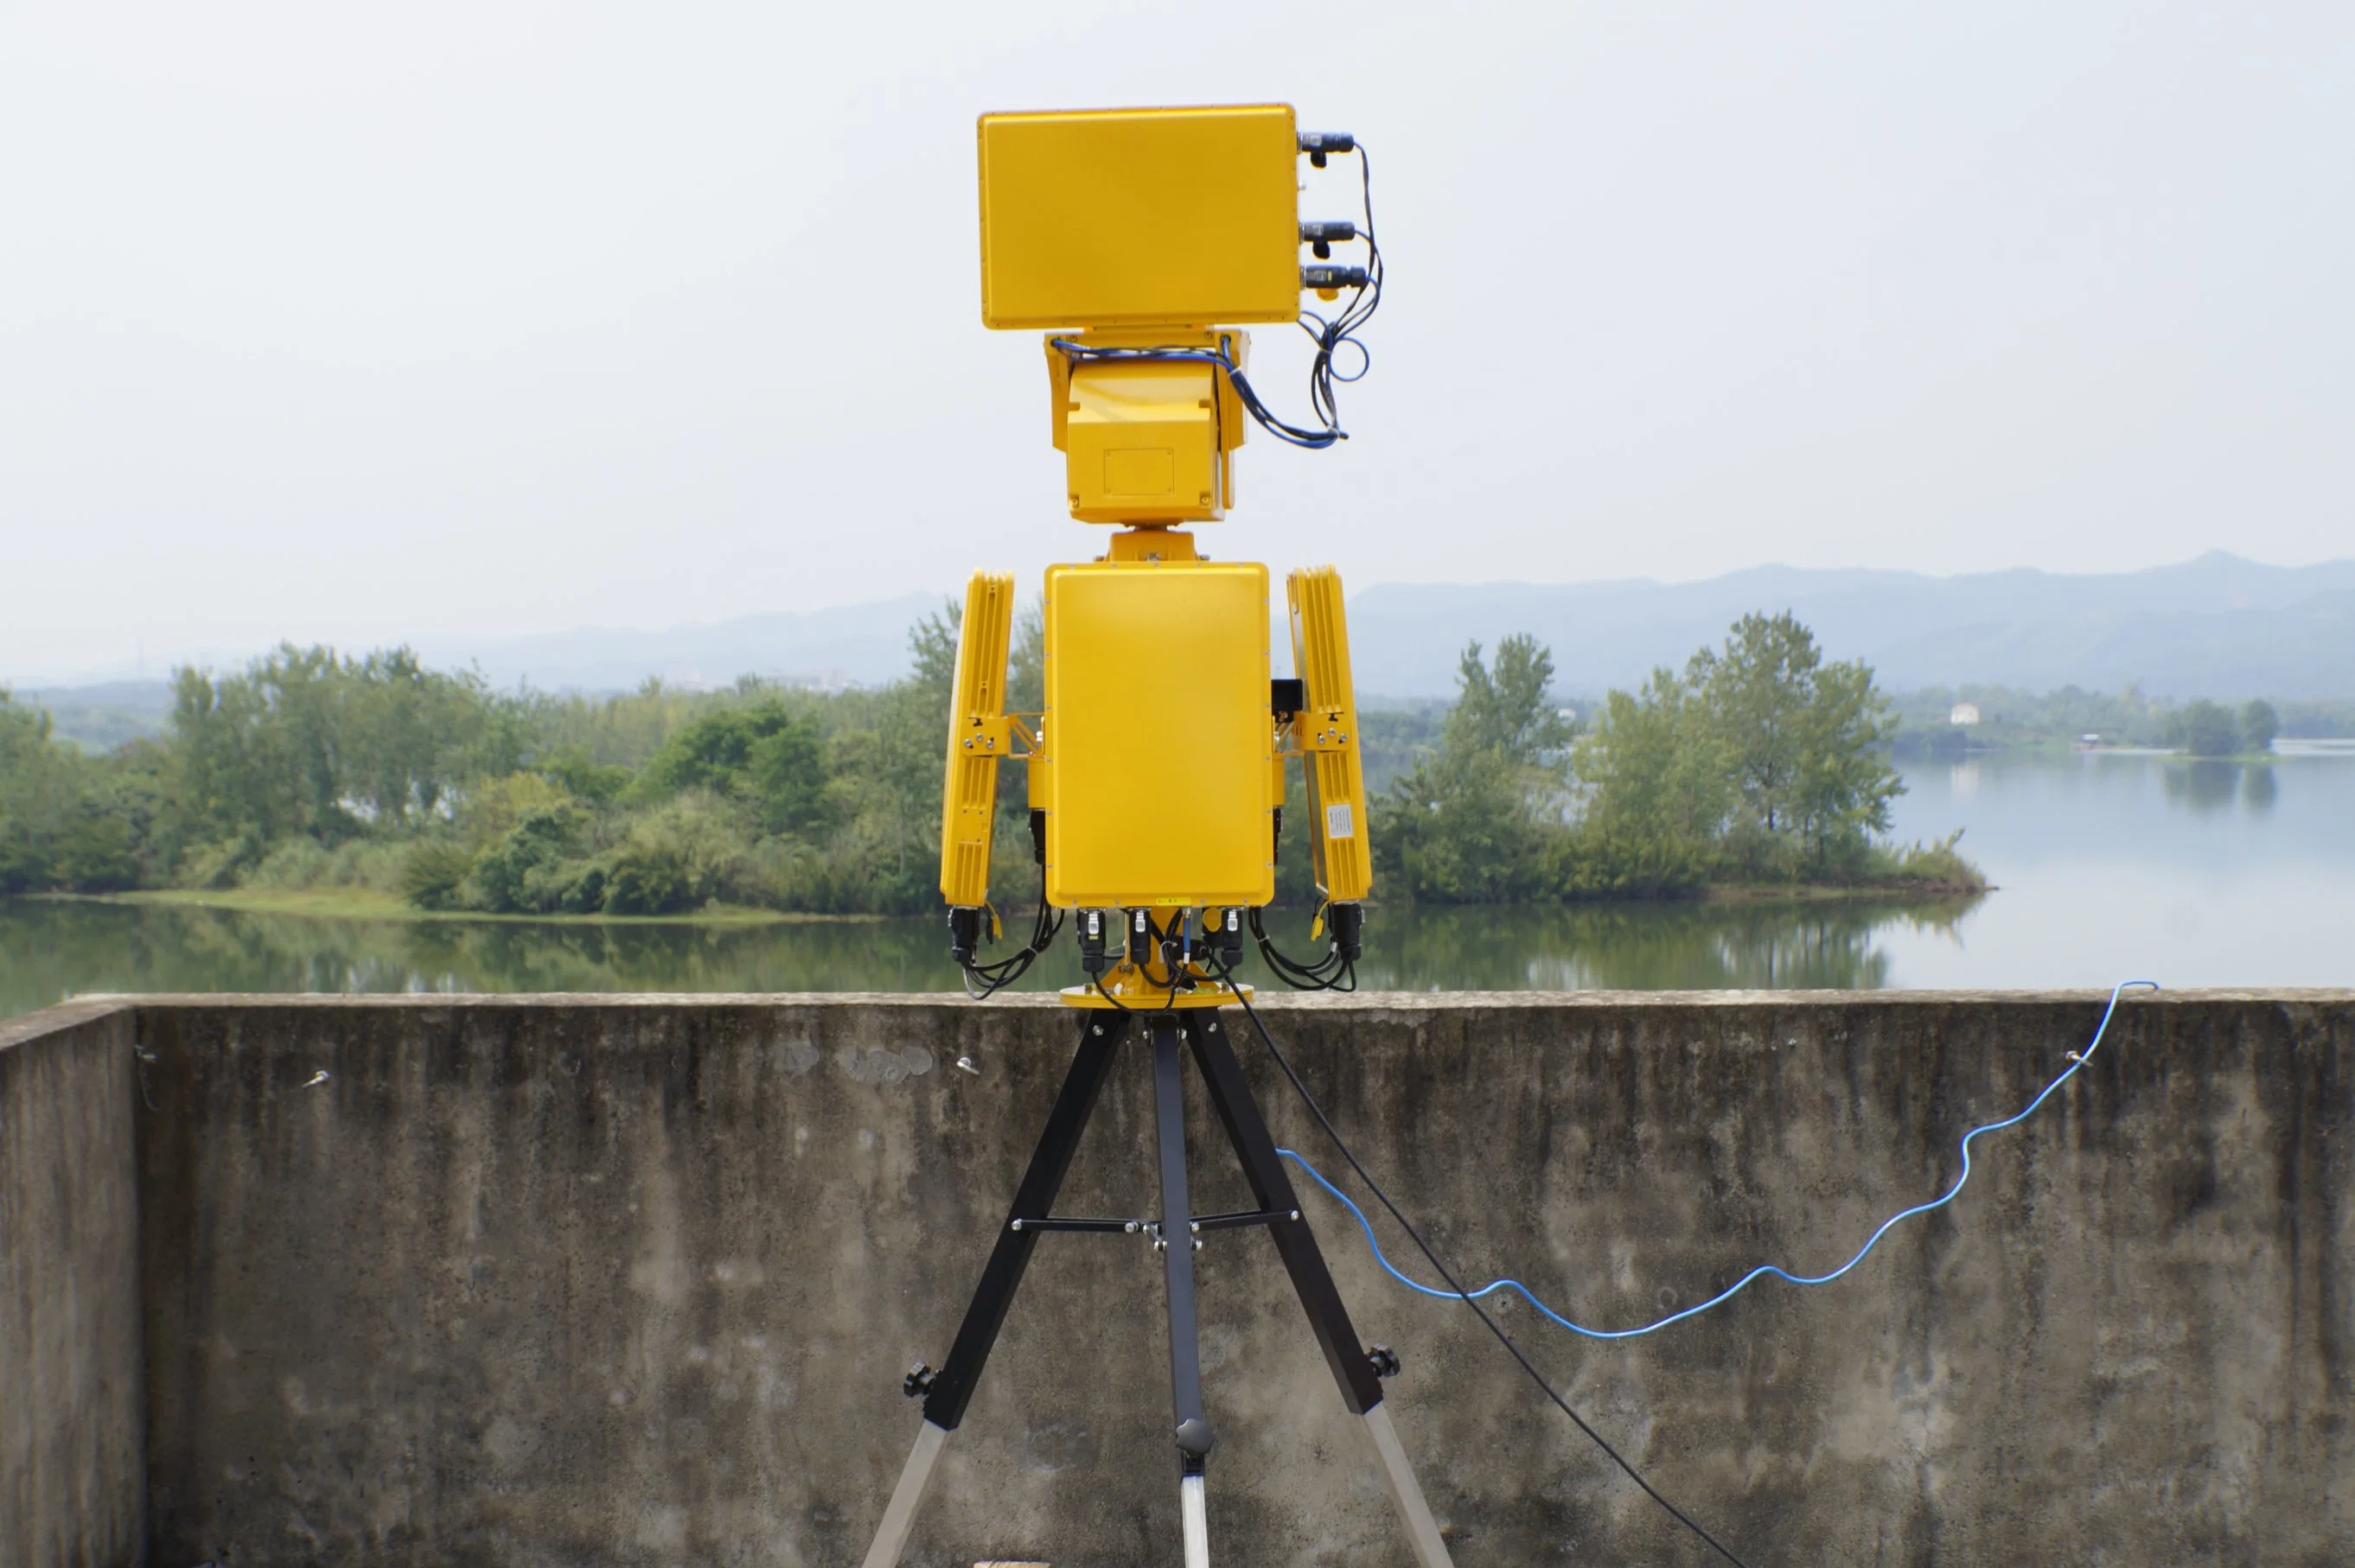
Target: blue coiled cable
point(2077, 1059)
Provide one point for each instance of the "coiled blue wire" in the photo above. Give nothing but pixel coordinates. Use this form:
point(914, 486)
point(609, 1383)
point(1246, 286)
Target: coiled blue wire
point(2077, 1059)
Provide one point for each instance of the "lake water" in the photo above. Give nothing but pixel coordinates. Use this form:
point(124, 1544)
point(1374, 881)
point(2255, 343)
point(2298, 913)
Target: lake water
point(2107, 866)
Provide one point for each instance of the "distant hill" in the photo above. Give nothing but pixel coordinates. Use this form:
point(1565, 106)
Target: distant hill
point(2218, 626)
point(856, 644)
point(101, 716)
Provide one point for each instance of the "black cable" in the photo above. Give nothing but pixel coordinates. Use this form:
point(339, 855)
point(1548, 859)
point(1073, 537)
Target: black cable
point(1432, 1258)
point(1174, 986)
point(1330, 973)
point(1330, 336)
point(983, 981)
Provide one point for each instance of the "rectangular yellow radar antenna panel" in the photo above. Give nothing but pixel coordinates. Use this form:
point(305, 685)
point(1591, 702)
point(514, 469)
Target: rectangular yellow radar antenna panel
point(1327, 734)
point(1140, 217)
point(1157, 719)
point(978, 738)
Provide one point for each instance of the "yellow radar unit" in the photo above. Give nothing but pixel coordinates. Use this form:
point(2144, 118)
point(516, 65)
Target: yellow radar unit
point(1140, 241)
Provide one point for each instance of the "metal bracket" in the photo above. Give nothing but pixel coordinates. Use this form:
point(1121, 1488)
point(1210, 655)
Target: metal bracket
point(1231, 1222)
point(986, 734)
point(1330, 732)
point(1124, 1227)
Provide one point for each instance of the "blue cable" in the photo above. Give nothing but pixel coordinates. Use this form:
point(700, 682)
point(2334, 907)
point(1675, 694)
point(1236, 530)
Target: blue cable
point(2076, 1061)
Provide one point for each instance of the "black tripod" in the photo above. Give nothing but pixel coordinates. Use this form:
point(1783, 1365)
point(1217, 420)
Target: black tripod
point(1357, 1371)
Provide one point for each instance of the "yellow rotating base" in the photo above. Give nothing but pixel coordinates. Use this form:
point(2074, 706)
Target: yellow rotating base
point(1131, 988)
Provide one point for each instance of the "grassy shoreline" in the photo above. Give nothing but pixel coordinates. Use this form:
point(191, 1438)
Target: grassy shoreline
point(1895, 890)
point(349, 903)
point(372, 903)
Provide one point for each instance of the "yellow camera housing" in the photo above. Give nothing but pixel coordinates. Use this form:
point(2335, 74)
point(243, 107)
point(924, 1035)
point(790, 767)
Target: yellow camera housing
point(1140, 217)
point(1148, 441)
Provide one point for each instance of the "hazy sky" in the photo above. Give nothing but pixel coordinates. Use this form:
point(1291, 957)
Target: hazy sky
point(458, 320)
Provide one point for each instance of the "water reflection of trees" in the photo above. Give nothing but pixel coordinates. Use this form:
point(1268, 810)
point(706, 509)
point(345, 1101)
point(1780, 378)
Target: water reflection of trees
point(1644, 947)
point(2204, 787)
point(50, 950)
point(2207, 787)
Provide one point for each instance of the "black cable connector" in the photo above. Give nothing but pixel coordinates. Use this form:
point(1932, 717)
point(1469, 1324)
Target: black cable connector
point(965, 933)
point(1332, 277)
point(1347, 922)
point(1322, 235)
point(1322, 145)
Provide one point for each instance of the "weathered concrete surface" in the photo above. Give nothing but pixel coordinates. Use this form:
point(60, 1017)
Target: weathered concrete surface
point(71, 1486)
point(586, 1281)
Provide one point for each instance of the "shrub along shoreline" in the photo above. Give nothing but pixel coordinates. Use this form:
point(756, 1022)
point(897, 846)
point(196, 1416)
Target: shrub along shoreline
point(1759, 766)
point(373, 787)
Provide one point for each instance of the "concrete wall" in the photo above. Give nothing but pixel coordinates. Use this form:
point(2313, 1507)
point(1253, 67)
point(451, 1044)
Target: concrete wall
point(71, 1487)
point(634, 1280)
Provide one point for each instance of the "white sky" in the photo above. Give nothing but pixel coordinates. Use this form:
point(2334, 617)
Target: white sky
point(363, 324)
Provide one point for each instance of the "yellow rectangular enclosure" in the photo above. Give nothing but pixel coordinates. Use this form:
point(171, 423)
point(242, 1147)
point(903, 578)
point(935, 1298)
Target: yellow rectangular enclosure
point(1107, 217)
point(978, 738)
point(1142, 443)
point(1327, 735)
point(1158, 726)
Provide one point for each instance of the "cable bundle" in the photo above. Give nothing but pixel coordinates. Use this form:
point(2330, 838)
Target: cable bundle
point(984, 980)
point(1330, 973)
point(1330, 336)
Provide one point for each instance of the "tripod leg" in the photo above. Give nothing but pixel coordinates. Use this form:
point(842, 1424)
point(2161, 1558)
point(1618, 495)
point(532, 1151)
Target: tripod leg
point(1362, 1389)
point(900, 1516)
point(951, 1388)
point(1194, 1437)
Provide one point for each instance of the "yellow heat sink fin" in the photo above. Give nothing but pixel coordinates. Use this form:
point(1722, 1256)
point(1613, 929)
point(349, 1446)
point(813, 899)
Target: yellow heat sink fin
point(978, 739)
point(1327, 734)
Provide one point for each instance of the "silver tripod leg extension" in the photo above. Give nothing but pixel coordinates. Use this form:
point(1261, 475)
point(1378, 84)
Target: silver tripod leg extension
point(1406, 1496)
point(891, 1535)
point(1194, 1510)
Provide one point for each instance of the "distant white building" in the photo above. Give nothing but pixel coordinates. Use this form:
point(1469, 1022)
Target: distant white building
point(1964, 713)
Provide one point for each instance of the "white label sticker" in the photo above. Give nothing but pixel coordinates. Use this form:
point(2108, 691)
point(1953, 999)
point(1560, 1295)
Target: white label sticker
point(1336, 821)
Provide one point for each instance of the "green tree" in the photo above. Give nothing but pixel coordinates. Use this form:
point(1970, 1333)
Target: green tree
point(1505, 709)
point(306, 742)
point(2208, 729)
point(406, 737)
point(61, 825)
point(768, 759)
point(1803, 742)
point(1658, 792)
point(2259, 724)
point(1481, 820)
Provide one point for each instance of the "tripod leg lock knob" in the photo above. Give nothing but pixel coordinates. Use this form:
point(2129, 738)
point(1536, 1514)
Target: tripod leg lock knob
point(1383, 1359)
point(1194, 1438)
point(919, 1380)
